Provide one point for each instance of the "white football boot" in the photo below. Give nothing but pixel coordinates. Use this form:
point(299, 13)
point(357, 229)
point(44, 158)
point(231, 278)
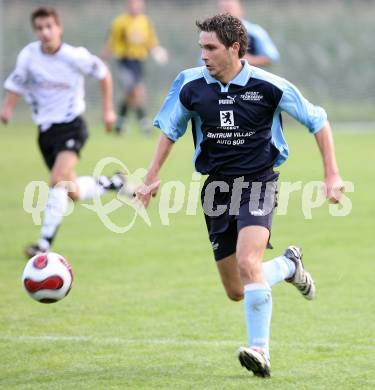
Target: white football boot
point(256, 361)
point(301, 279)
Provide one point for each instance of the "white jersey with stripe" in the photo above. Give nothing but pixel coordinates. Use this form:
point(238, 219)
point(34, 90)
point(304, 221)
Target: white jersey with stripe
point(53, 84)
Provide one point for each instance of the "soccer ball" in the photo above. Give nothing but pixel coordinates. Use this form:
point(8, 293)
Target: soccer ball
point(47, 277)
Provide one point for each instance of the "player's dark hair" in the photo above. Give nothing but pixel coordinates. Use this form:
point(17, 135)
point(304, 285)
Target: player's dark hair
point(228, 29)
point(44, 12)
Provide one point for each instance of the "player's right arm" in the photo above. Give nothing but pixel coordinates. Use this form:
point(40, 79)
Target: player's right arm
point(10, 102)
point(172, 120)
point(15, 86)
point(151, 180)
point(114, 39)
point(107, 51)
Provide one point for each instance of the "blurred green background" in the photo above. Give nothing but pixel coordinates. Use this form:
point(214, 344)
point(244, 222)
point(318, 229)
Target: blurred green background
point(147, 310)
point(326, 47)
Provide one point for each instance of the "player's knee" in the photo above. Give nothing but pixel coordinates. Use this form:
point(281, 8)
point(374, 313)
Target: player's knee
point(235, 295)
point(58, 179)
point(74, 196)
point(61, 180)
point(246, 261)
point(249, 265)
point(55, 180)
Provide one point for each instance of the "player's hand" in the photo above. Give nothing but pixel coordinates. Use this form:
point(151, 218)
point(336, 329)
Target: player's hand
point(160, 55)
point(333, 188)
point(5, 116)
point(109, 119)
point(148, 189)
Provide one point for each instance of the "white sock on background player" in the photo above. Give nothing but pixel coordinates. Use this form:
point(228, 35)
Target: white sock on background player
point(89, 187)
point(57, 204)
point(53, 214)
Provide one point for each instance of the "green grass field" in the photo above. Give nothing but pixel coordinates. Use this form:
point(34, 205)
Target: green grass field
point(147, 310)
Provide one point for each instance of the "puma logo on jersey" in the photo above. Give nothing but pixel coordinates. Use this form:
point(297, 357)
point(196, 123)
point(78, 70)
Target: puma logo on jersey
point(228, 100)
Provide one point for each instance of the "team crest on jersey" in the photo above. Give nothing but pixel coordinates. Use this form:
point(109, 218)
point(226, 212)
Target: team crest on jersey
point(226, 118)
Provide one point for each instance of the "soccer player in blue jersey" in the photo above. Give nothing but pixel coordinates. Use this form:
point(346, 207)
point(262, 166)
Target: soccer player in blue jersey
point(261, 49)
point(235, 110)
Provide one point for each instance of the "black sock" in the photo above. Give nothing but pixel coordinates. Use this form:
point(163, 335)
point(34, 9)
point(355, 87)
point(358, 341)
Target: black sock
point(123, 108)
point(141, 113)
point(50, 239)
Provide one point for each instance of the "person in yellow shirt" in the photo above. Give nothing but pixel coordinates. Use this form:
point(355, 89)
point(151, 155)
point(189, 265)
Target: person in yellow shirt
point(131, 39)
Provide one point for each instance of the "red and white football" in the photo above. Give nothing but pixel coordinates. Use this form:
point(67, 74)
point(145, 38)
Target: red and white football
point(47, 277)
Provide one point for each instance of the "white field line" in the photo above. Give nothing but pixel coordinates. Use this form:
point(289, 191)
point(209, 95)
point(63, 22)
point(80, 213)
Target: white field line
point(173, 342)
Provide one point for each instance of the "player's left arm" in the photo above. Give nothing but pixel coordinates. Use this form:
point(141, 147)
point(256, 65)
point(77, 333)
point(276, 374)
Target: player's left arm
point(92, 65)
point(334, 185)
point(106, 88)
point(315, 119)
point(158, 52)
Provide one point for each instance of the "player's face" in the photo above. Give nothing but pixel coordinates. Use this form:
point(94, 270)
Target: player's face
point(135, 7)
point(232, 7)
point(218, 59)
point(49, 33)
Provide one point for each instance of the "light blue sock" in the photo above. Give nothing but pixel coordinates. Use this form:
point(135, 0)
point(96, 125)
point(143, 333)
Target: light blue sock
point(258, 312)
point(278, 269)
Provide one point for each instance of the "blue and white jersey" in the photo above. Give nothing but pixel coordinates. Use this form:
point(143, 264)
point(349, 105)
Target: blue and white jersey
point(237, 128)
point(260, 43)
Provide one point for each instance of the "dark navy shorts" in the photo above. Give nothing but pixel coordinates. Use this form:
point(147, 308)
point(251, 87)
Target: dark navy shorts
point(231, 203)
point(60, 137)
point(130, 73)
